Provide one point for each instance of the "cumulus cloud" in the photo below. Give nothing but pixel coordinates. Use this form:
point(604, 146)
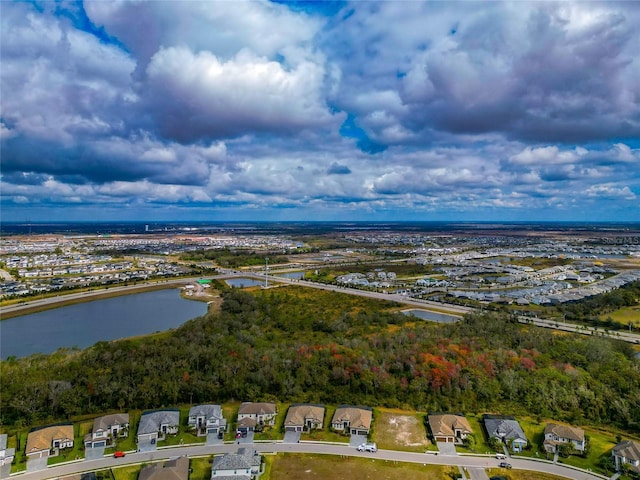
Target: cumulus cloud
point(374, 108)
point(197, 96)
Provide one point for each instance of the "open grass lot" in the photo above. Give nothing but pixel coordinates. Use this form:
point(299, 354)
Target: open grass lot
point(322, 467)
point(626, 316)
point(400, 430)
point(200, 468)
point(522, 474)
point(126, 473)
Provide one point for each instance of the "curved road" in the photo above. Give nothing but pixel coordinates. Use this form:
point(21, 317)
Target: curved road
point(72, 468)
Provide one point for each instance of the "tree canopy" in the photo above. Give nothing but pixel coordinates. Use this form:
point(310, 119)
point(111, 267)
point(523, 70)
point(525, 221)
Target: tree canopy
point(301, 345)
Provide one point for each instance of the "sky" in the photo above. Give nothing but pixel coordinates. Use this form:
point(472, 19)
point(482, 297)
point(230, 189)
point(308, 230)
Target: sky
point(329, 111)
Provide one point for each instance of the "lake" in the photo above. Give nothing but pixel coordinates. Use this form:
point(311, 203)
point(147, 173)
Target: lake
point(432, 316)
point(84, 324)
point(243, 282)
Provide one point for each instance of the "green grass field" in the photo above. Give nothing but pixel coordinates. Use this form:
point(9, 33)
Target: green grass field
point(626, 316)
point(322, 467)
point(126, 473)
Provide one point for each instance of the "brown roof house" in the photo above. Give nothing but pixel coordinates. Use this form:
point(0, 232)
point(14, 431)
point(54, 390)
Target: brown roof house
point(251, 414)
point(106, 428)
point(352, 420)
point(303, 417)
point(449, 428)
point(47, 441)
point(626, 455)
point(556, 435)
point(175, 469)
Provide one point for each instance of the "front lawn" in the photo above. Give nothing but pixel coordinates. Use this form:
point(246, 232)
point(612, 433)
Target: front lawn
point(129, 472)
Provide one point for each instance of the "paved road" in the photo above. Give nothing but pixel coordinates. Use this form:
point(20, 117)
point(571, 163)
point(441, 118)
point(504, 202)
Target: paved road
point(582, 329)
point(303, 447)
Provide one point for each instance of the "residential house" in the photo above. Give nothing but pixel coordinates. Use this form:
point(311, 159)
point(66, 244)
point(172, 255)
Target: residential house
point(174, 469)
point(236, 466)
point(207, 419)
point(251, 414)
point(352, 420)
point(156, 424)
point(47, 441)
point(6, 456)
point(303, 417)
point(507, 430)
point(449, 428)
point(106, 428)
point(626, 454)
point(556, 435)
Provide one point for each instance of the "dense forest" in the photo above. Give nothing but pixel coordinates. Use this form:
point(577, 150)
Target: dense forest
point(301, 345)
point(228, 258)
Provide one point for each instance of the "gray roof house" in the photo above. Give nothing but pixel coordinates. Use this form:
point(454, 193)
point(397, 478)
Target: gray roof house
point(206, 419)
point(236, 466)
point(507, 430)
point(627, 454)
point(174, 469)
point(6, 457)
point(106, 428)
point(155, 425)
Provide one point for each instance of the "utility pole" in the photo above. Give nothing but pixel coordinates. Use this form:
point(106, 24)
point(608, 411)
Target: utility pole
point(266, 272)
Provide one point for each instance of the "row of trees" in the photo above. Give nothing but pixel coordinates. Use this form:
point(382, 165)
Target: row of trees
point(292, 345)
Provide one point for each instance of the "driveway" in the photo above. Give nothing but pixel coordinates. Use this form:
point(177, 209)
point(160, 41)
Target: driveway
point(356, 440)
point(477, 474)
point(447, 448)
point(291, 437)
point(93, 453)
point(247, 439)
point(212, 439)
point(34, 464)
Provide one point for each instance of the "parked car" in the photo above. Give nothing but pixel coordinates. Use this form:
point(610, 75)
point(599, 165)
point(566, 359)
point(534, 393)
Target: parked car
point(504, 465)
point(498, 477)
point(367, 447)
point(119, 454)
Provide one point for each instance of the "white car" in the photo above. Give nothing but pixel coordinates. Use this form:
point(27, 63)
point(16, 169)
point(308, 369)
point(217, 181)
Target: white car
point(367, 447)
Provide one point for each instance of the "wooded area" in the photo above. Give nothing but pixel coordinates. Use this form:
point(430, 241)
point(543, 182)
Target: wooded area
point(301, 345)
